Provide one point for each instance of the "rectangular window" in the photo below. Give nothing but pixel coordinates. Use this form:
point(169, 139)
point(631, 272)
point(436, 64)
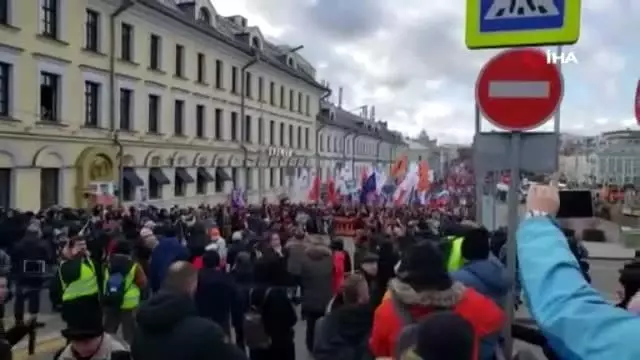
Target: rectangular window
point(260, 89)
point(179, 71)
point(282, 99)
point(155, 52)
point(260, 131)
point(126, 108)
point(306, 138)
point(126, 42)
point(219, 74)
point(248, 176)
point(4, 12)
point(281, 134)
point(234, 126)
point(49, 18)
point(247, 84)
point(299, 138)
point(154, 114)
point(202, 68)
point(307, 109)
point(290, 136)
point(272, 93)
point(49, 96)
point(234, 177)
point(234, 80)
point(91, 103)
point(291, 107)
point(272, 132)
point(49, 187)
point(281, 176)
point(202, 183)
point(179, 186)
point(218, 125)
point(200, 121)
point(247, 128)
point(178, 118)
point(92, 29)
point(272, 177)
point(155, 188)
point(300, 103)
point(5, 89)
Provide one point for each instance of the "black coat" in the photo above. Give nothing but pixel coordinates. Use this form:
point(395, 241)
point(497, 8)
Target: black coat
point(169, 328)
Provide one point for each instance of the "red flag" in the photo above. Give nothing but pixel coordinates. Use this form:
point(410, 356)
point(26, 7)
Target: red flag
point(314, 192)
point(332, 194)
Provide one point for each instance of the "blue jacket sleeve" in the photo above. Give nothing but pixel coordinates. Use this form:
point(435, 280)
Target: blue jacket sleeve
point(578, 323)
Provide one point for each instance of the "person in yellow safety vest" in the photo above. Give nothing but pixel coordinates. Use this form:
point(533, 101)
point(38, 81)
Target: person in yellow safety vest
point(123, 282)
point(78, 283)
point(455, 261)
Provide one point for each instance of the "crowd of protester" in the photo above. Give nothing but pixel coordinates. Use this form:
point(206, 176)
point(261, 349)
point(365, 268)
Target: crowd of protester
point(225, 283)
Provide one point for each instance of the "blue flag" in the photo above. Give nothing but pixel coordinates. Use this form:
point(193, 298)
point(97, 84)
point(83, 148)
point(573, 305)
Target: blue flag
point(368, 187)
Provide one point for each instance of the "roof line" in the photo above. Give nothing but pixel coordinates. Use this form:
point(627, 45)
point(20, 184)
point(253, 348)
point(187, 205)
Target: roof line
point(217, 35)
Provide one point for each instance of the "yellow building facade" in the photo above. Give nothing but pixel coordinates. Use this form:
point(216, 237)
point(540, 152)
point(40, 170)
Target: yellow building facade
point(147, 96)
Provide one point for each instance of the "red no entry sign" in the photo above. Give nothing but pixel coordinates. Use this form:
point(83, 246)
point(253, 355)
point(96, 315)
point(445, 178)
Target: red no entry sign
point(517, 90)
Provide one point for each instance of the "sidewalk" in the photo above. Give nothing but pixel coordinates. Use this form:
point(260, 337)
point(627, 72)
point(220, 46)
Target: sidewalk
point(608, 251)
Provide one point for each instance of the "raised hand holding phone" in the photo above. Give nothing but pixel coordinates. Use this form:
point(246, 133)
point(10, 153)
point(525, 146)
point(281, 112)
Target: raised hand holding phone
point(544, 198)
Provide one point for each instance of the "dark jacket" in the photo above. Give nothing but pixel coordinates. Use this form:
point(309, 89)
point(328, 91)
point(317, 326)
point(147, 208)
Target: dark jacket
point(219, 299)
point(316, 274)
point(168, 251)
point(169, 328)
point(343, 334)
point(26, 255)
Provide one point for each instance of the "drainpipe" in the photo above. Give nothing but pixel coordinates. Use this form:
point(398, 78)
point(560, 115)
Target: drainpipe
point(126, 4)
point(243, 121)
point(324, 97)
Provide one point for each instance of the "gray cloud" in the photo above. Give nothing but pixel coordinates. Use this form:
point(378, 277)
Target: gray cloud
point(397, 47)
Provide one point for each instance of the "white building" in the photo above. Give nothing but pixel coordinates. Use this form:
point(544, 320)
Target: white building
point(355, 142)
point(183, 100)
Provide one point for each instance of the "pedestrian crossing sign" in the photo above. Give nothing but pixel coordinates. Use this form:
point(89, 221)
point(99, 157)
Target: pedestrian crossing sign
point(511, 23)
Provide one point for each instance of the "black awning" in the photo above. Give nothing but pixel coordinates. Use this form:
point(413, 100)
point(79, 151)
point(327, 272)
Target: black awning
point(203, 173)
point(159, 176)
point(184, 175)
point(130, 175)
point(222, 175)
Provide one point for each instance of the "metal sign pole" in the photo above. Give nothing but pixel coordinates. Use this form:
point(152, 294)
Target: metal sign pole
point(514, 219)
point(478, 172)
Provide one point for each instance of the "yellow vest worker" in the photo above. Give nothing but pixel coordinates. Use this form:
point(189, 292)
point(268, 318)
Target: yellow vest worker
point(455, 261)
point(131, 296)
point(85, 285)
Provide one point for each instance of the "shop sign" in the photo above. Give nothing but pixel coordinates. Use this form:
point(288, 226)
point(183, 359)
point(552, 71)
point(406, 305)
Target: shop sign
point(274, 151)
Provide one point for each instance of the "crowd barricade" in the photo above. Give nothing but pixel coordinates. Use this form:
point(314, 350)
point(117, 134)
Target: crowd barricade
point(344, 226)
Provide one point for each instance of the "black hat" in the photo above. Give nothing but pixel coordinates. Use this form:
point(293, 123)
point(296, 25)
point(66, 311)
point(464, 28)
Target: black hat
point(476, 244)
point(84, 327)
point(444, 335)
point(423, 267)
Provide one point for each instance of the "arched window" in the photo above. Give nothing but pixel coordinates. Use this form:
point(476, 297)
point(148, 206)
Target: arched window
point(204, 16)
point(255, 42)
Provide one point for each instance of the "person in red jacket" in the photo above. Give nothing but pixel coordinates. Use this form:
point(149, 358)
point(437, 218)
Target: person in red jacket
point(341, 265)
point(423, 285)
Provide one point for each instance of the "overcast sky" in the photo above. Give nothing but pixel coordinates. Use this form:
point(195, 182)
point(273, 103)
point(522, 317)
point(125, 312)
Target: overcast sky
point(408, 58)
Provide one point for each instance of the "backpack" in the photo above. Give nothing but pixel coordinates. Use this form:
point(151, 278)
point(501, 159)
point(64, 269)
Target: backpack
point(408, 336)
point(115, 288)
point(255, 333)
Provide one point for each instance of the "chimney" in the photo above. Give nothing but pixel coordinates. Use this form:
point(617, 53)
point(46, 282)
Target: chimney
point(340, 91)
point(365, 112)
point(373, 113)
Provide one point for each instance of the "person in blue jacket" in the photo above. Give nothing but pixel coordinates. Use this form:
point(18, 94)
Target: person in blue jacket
point(166, 252)
point(578, 323)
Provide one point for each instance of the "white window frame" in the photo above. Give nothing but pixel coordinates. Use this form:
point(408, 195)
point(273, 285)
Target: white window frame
point(11, 56)
point(60, 69)
point(103, 96)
